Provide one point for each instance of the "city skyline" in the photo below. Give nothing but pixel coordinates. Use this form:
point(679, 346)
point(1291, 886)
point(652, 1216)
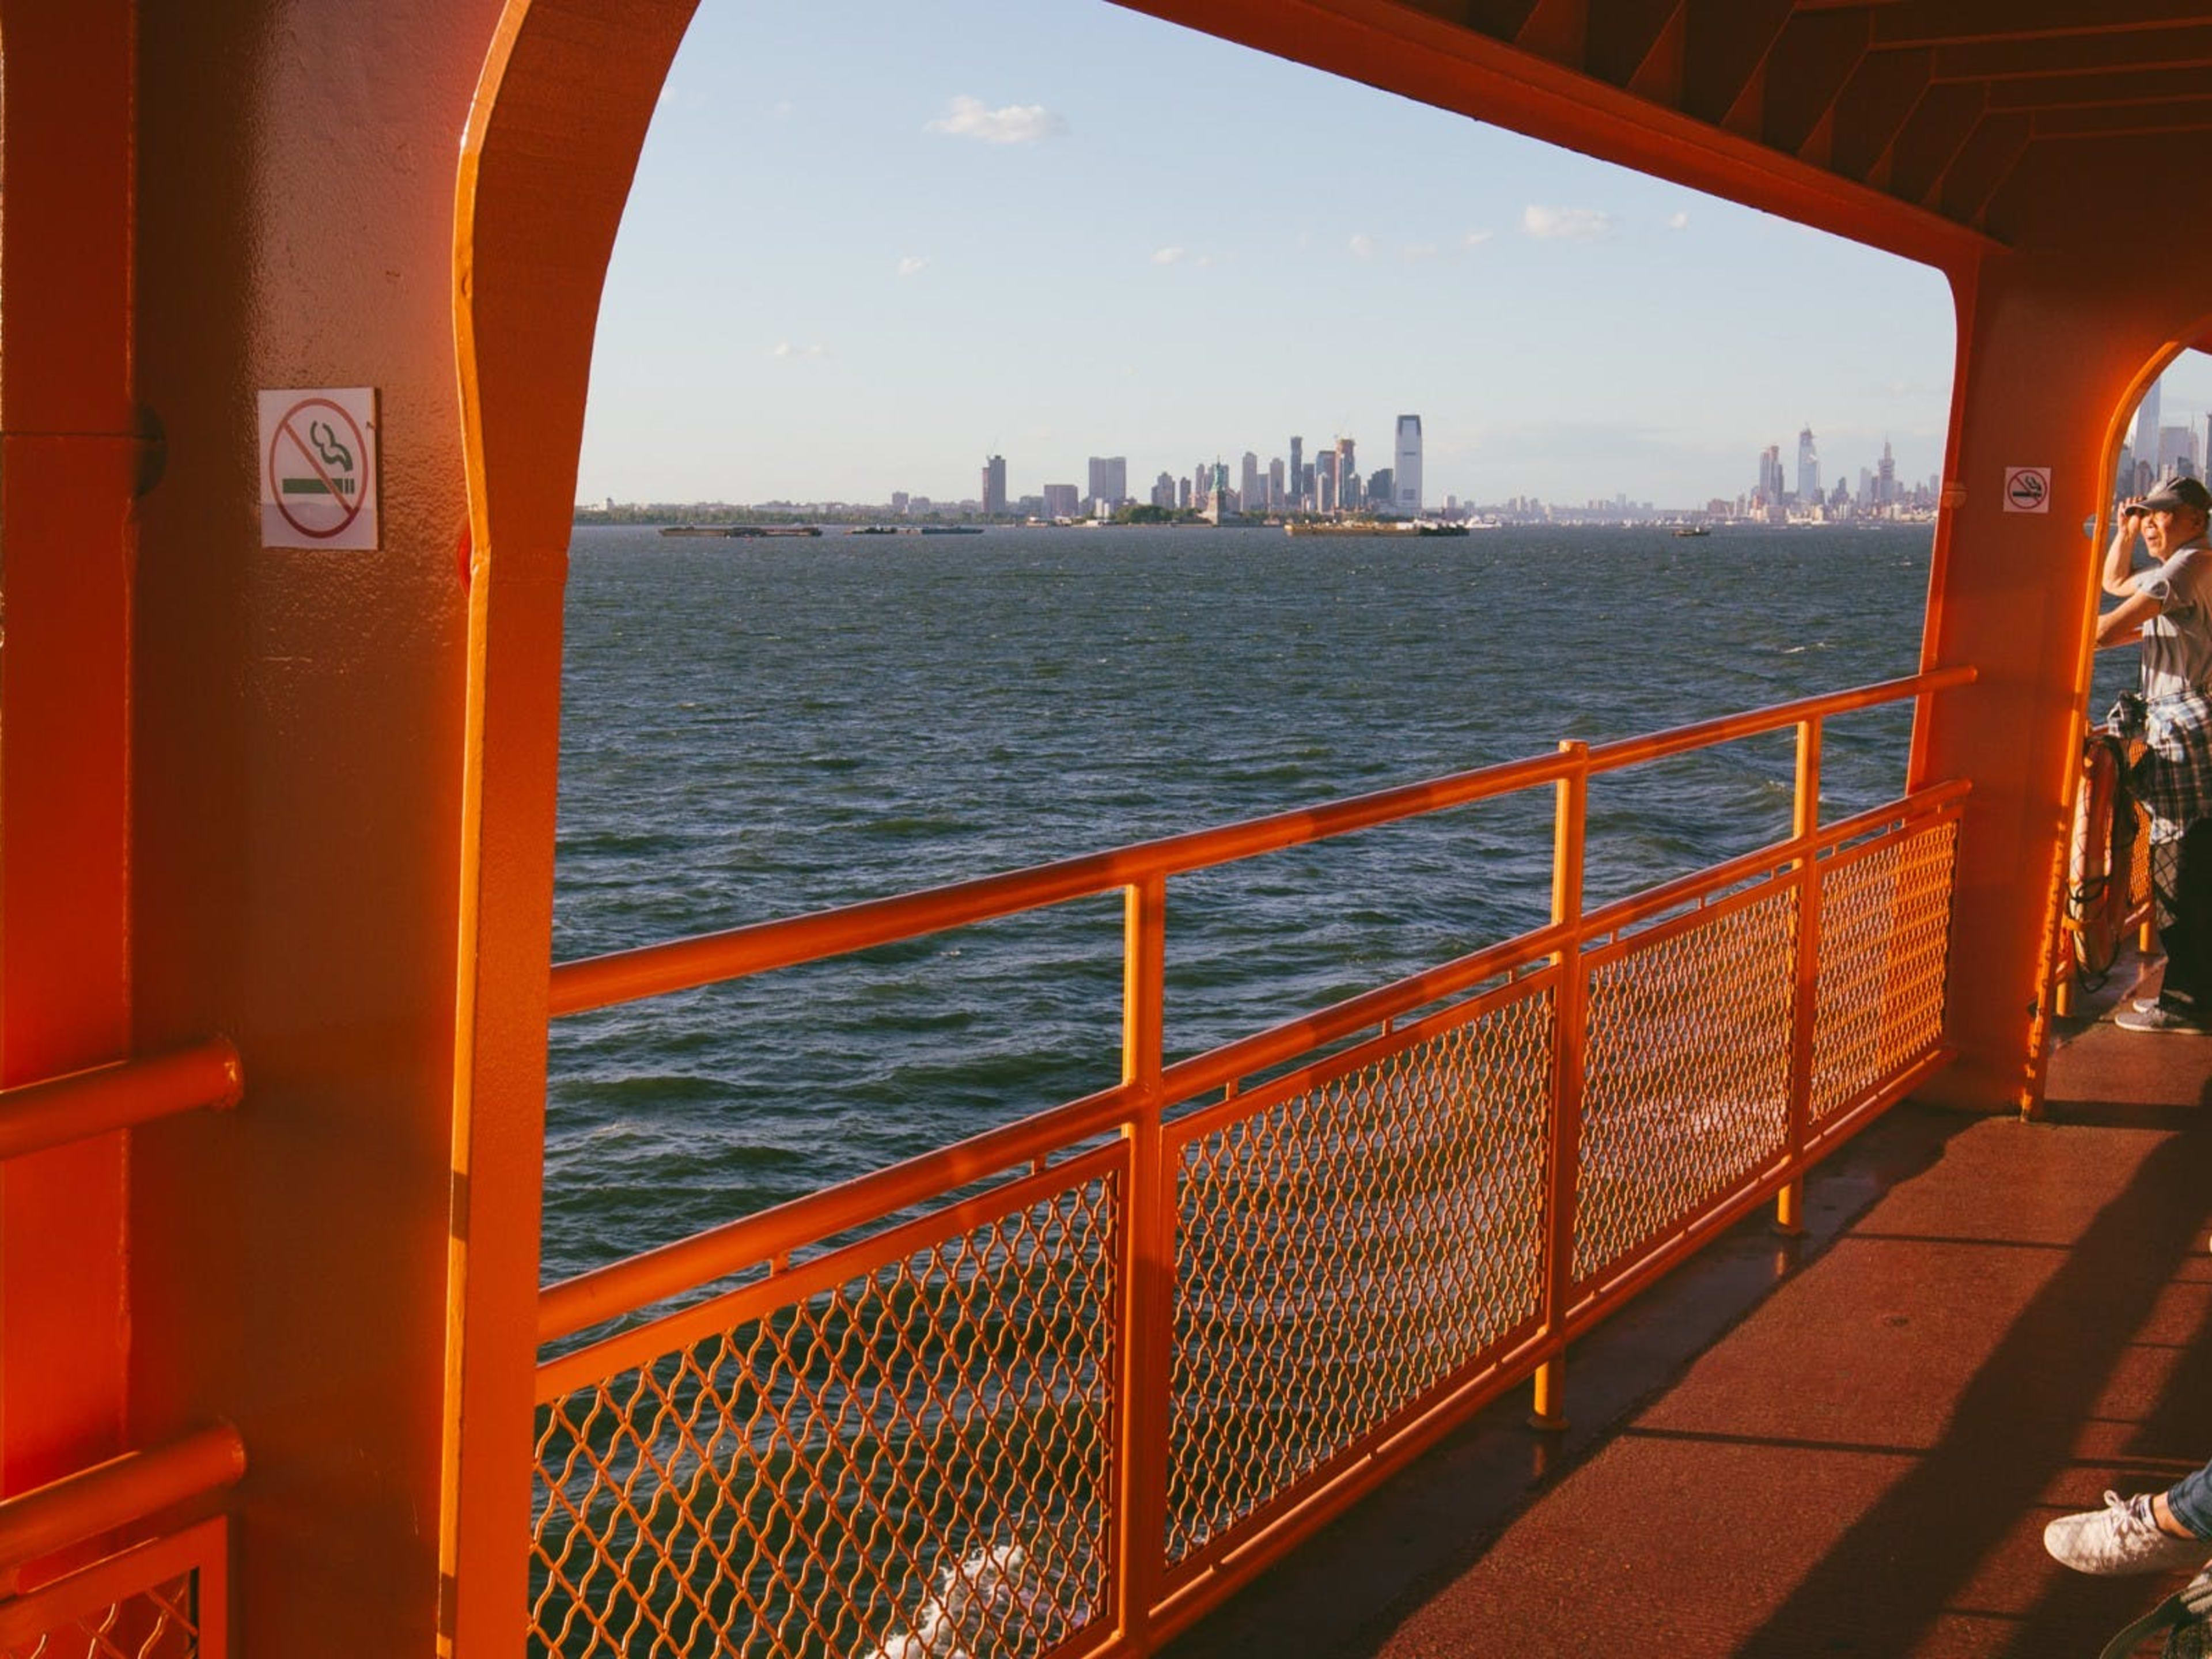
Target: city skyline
point(1029, 260)
point(1319, 487)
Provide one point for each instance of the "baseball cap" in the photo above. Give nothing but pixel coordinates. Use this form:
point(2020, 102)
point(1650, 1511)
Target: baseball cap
point(2182, 491)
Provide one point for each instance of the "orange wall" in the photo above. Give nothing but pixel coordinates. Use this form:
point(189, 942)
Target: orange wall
point(69, 457)
point(297, 789)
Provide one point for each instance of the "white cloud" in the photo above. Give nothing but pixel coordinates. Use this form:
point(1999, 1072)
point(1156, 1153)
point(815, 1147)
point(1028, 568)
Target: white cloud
point(1558, 224)
point(1414, 253)
point(1678, 221)
point(1476, 238)
point(1167, 256)
point(913, 264)
point(1011, 123)
point(1361, 246)
point(785, 348)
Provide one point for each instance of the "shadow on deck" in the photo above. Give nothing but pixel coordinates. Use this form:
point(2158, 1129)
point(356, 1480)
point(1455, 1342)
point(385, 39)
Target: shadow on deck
point(1844, 1443)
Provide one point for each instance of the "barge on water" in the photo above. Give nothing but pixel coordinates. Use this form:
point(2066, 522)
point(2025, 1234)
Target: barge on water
point(741, 532)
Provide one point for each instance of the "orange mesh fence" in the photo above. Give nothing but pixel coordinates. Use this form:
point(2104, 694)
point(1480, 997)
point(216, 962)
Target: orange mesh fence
point(157, 1623)
point(163, 1599)
point(1686, 1095)
point(1885, 950)
point(911, 1457)
point(1348, 1241)
point(1060, 1415)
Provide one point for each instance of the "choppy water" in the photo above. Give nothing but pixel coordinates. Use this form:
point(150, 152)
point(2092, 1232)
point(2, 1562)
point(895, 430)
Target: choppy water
point(754, 729)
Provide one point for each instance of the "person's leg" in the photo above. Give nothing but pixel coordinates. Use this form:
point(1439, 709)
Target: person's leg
point(2181, 896)
point(2188, 1502)
point(2188, 940)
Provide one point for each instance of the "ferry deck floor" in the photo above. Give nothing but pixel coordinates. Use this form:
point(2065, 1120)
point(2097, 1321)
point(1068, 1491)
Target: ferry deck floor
point(1847, 1442)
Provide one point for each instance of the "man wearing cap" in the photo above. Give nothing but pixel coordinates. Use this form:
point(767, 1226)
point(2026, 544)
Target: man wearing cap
point(2168, 610)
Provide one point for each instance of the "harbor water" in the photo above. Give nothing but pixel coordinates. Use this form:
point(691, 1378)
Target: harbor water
point(755, 729)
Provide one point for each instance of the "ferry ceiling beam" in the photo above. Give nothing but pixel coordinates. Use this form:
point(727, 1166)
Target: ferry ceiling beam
point(1855, 118)
point(1694, 109)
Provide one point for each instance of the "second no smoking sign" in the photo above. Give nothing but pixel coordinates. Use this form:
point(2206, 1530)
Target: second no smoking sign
point(319, 468)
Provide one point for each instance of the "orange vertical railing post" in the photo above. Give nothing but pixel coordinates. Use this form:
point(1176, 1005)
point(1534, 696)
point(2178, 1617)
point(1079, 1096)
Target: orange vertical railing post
point(1804, 1002)
point(1141, 1461)
point(1568, 1039)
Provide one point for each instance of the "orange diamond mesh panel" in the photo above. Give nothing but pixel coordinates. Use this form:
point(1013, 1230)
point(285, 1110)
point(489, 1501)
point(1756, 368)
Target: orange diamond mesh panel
point(1686, 1078)
point(157, 1623)
point(1343, 1251)
point(915, 1463)
point(1884, 946)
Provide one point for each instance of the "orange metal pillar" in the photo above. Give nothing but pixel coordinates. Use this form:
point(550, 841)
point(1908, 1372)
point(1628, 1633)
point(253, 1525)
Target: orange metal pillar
point(2050, 346)
point(1570, 1036)
point(1804, 1004)
point(69, 457)
point(561, 114)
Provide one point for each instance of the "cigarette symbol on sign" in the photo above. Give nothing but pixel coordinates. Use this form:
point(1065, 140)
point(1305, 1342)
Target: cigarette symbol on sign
point(2027, 489)
point(315, 468)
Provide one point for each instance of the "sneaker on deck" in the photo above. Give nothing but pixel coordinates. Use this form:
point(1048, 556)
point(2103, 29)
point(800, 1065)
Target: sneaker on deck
point(2161, 1017)
point(2120, 1537)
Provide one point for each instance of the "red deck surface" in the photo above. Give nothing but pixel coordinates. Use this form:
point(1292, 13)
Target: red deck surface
point(1990, 1322)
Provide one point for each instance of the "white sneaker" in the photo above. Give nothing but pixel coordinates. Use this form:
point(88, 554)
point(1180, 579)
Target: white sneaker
point(2121, 1538)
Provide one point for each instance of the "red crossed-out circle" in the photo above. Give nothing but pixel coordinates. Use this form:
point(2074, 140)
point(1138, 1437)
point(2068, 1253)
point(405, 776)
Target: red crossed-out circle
point(286, 429)
point(2028, 487)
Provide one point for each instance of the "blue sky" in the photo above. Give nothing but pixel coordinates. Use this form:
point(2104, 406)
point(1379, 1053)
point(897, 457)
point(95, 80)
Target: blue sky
point(869, 243)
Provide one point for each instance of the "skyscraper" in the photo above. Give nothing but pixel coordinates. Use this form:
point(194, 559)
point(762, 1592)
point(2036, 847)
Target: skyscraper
point(1110, 479)
point(1770, 475)
point(1885, 478)
point(1808, 468)
point(1297, 466)
point(2147, 424)
point(1347, 470)
point(1275, 482)
point(1247, 487)
point(1406, 478)
point(994, 484)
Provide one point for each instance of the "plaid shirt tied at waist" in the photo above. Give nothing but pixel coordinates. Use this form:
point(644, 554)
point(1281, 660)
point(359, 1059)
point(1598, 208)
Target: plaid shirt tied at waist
point(2173, 777)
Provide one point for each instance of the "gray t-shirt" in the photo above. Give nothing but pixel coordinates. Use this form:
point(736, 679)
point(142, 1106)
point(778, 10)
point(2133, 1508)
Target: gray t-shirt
point(2176, 643)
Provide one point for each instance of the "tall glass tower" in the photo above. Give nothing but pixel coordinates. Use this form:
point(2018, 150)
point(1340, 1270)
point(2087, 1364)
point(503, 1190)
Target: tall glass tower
point(2148, 414)
point(1406, 493)
point(1808, 468)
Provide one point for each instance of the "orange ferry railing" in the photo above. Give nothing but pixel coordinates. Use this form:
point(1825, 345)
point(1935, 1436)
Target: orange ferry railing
point(163, 1596)
point(1059, 1388)
point(59, 1110)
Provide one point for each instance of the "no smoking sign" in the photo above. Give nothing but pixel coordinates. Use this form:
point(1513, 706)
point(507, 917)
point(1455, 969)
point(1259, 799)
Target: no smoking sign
point(319, 471)
point(2027, 489)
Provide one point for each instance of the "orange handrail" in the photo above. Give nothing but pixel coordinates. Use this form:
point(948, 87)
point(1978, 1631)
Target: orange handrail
point(62, 1109)
point(117, 1493)
point(709, 959)
point(683, 964)
point(1727, 728)
point(601, 1294)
